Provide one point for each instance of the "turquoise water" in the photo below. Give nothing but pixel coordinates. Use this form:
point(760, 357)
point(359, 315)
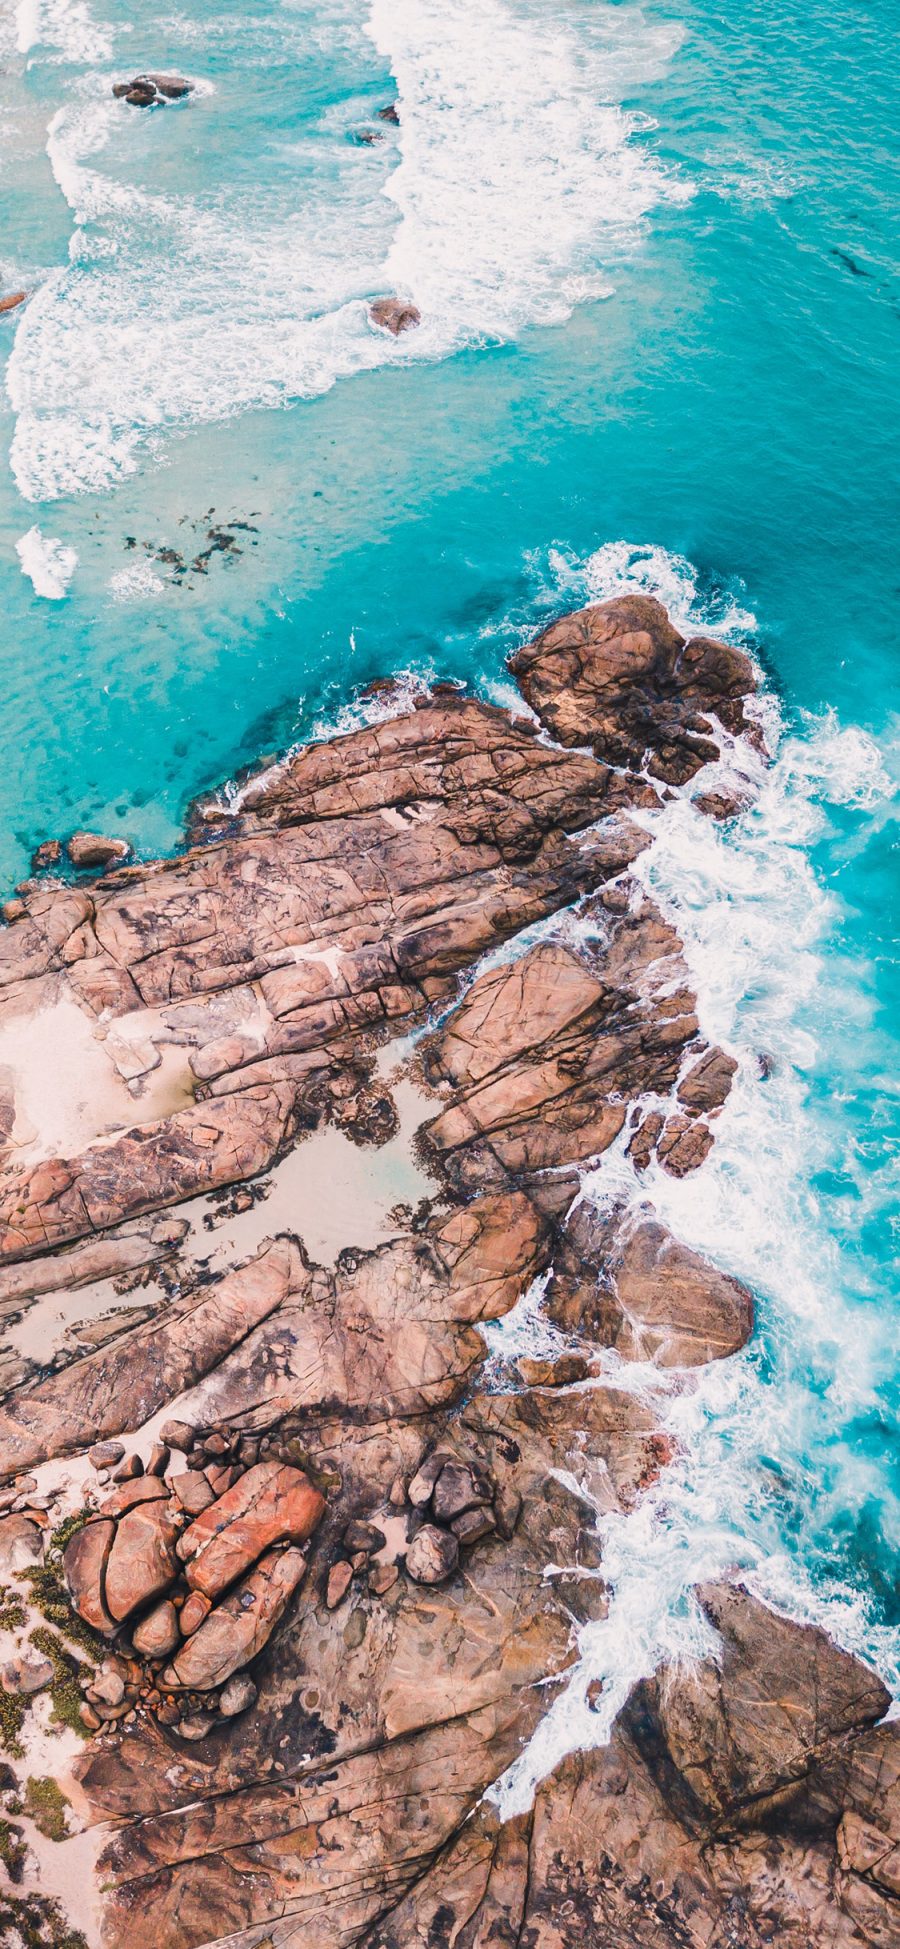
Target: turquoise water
point(656, 255)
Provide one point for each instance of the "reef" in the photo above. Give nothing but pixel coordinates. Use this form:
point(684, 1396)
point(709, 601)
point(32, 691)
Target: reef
point(314, 1571)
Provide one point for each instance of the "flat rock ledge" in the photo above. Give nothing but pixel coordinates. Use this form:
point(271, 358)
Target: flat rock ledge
point(304, 1565)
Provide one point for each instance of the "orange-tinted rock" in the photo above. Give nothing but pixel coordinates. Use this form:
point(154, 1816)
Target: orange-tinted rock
point(94, 849)
point(619, 675)
point(271, 1503)
point(238, 1628)
point(142, 1561)
point(158, 1633)
point(84, 1564)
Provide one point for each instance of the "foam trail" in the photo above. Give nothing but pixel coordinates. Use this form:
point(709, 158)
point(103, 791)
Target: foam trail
point(521, 180)
point(48, 563)
point(767, 1456)
point(67, 26)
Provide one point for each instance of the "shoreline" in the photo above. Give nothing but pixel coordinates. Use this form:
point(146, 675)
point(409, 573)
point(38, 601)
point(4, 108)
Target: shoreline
point(371, 884)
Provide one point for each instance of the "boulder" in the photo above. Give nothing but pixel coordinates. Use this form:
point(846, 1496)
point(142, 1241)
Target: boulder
point(395, 315)
point(238, 1628)
point(47, 854)
point(433, 1555)
point(86, 849)
point(157, 1634)
point(21, 1544)
point(84, 1564)
point(142, 1561)
point(269, 1504)
point(153, 90)
point(457, 1489)
point(12, 301)
point(237, 1695)
point(622, 676)
point(26, 1674)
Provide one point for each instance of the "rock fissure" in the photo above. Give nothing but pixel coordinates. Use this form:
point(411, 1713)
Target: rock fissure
point(318, 1600)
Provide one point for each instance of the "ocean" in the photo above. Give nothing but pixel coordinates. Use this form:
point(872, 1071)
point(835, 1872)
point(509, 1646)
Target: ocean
point(655, 250)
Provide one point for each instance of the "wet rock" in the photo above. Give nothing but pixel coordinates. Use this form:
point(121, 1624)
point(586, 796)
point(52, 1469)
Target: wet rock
point(705, 1085)
point(472, 1526)
point(395, 315)
point(421, 1486)
point(363, 1536)
point(142, 1561)
point(95, 849)
point(12, 300)
point(620, 674)
point(195, 1725)
point(562, 1371)
point(340, 1577)
point(48, 854)
point(237, 1695)
point(157, 1634)
point(630, 1285)
point(269, 1504)
point(684, 1145)
point(382, 1578)
point(751, 1725)
point(153, 90)
point(433, 1555)
point(391, 113)
point(239, 1626)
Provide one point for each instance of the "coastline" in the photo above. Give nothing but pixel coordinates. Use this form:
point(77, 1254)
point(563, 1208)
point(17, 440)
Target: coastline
point(389, 883)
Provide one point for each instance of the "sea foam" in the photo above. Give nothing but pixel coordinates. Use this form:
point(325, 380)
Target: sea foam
point(521, 181)
point(765, 1453)
point(48, 563)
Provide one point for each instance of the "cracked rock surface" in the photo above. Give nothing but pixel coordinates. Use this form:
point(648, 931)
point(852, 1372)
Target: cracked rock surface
point(308, 1557)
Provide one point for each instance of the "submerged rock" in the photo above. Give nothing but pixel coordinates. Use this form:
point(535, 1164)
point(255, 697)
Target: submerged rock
point(153, 90)
point(94, 849)
point(395, 315)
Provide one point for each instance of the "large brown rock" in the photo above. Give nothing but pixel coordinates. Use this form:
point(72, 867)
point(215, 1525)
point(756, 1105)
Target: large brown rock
point(627, 1283)
point(270, 1504)
point(142, 1561)
point(762, 1724)
point(84, 1562)
point(620, 675)
point(237, 1628)
point(545, 1051)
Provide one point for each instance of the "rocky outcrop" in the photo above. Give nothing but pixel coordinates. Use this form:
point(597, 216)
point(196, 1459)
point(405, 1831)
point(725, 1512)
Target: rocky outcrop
point(334, 1580)
point(620, 676)
point(395, 315)
point(86, 849)
point(153, 91)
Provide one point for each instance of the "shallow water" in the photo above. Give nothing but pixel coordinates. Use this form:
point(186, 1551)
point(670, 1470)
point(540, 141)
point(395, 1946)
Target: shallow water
point(656, 253)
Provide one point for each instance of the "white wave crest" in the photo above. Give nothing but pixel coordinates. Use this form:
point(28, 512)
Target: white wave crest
point(521, 181)
point(760, 1439)
point(48, 563)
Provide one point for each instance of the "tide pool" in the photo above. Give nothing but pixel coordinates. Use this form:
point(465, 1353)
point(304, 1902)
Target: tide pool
point(656, 254)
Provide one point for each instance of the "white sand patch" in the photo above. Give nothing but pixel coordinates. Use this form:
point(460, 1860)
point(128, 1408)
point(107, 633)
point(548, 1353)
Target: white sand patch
point(68, 1081)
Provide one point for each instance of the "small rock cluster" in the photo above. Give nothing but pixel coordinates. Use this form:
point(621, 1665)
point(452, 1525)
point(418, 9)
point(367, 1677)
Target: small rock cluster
point(451, 1504)
point(188, 1572)
point(152, 90)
